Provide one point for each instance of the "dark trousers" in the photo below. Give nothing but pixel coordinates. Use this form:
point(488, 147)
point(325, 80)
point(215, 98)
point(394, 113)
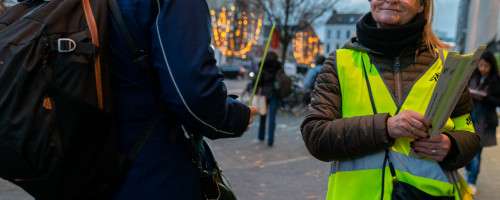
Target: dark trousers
point(272, 103)
point(472, 169)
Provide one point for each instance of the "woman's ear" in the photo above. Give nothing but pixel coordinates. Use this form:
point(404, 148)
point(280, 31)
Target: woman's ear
point(422, 6)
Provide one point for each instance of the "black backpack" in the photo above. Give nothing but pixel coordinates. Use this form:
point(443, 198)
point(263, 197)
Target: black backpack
point(57, 135)
point(284, 84)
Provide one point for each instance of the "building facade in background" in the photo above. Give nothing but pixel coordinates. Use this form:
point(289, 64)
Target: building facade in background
point(478, 24)
point(338, 30)
point(217, 4)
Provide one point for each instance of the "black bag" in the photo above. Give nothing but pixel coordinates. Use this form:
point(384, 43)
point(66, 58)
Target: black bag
point(57, 134)
point(214, 183)
point(405, 191)
point(213, 169)
point(283, 84)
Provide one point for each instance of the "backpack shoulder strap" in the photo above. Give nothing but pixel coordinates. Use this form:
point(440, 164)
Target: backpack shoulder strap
point(141, 60)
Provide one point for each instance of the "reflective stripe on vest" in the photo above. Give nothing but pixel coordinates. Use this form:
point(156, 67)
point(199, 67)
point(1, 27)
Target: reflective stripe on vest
point(360, 178)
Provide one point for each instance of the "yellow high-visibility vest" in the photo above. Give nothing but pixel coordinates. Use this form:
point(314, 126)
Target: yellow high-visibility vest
point(361, 178)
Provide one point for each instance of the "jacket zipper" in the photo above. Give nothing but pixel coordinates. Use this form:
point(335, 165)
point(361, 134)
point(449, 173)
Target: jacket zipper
point(398, 82)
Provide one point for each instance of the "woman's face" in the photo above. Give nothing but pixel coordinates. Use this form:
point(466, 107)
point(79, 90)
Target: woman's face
point(484, 67)
point(391, 13)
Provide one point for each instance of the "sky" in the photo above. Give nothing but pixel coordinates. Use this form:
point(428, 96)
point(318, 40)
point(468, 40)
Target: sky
point(445, 13)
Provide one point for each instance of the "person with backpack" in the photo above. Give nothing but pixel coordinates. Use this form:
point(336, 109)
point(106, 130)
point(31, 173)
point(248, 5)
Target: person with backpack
point(267, 87)
point(191, 88)
point(98, 97)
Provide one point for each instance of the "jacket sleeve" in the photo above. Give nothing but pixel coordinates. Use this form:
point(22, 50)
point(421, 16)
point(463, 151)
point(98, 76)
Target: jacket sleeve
point(327, 135)
point(465, 145)
point(464, 142)
point(192, 84)
point(493, 97)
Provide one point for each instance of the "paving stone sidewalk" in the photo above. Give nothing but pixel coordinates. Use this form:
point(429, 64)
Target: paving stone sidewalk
point(286, 171)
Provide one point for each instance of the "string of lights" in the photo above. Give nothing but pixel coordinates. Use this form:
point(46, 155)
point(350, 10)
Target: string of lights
point(235, 33)
point(306, 45)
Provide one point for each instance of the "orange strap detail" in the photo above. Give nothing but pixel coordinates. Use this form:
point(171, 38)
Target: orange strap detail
point(89, 16)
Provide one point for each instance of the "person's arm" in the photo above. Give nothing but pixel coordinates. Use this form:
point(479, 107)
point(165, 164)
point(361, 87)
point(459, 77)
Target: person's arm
point(464, 142)
point(327, 135)
point(463, 147)
point(308, 80)
point(453, 149)
point(493, 95)
point(192, 84)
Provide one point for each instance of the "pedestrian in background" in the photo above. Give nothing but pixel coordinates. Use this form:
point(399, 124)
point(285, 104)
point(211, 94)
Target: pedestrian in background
point(192, 89)
point(485, 91)
point(2, 7)
point(267, 87)
point(312, 74)
point(367, 110)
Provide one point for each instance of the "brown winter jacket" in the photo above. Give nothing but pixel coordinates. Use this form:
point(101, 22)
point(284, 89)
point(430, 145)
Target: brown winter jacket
point(330, 137)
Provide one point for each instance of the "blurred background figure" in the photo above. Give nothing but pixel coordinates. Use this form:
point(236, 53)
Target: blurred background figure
point(266, 87)
point(312, 74)
point(484, 86)
point(2, 7)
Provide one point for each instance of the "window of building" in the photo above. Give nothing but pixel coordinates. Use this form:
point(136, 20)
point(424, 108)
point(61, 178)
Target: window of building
point(328, 34)
point(328, 48)
point(338, 34)
point(348, 34)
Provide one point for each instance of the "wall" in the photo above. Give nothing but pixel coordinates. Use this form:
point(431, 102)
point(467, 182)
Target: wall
point(482, 23)
point(334, 41)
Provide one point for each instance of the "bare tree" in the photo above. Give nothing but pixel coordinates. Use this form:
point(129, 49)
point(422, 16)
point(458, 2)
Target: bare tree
point(292, 16)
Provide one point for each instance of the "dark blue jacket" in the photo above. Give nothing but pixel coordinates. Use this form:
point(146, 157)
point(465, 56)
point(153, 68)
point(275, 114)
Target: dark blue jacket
point(268, 77)
point(311, 76)
point(176, 36)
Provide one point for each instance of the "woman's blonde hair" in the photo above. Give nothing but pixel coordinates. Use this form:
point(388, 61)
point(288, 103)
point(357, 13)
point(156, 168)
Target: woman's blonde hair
point(429, 38)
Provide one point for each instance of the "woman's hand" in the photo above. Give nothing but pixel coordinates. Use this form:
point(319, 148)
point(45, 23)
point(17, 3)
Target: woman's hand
point(409, 124)
point(477, 97)
point(436, 147)
point(477, 94)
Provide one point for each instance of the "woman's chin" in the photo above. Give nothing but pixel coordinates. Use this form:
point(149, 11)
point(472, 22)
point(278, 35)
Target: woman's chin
point(388, 21)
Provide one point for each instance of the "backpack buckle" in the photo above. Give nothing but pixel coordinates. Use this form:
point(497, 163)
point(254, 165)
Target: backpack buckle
point(65, 45)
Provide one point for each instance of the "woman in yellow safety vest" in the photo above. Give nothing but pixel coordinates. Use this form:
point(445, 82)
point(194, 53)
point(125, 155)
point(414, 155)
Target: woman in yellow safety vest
point(367, 112)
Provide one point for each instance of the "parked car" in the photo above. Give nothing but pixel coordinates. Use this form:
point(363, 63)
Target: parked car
point(232, 71)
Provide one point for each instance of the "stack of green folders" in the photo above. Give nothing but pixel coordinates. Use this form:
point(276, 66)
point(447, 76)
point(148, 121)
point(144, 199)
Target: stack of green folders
point(454, 76)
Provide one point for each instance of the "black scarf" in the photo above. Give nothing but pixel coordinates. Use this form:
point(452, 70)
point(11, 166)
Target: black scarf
point(389, 41)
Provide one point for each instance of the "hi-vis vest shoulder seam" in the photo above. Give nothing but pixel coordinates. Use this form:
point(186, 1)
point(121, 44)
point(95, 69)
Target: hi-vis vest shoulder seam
point(360, 178)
